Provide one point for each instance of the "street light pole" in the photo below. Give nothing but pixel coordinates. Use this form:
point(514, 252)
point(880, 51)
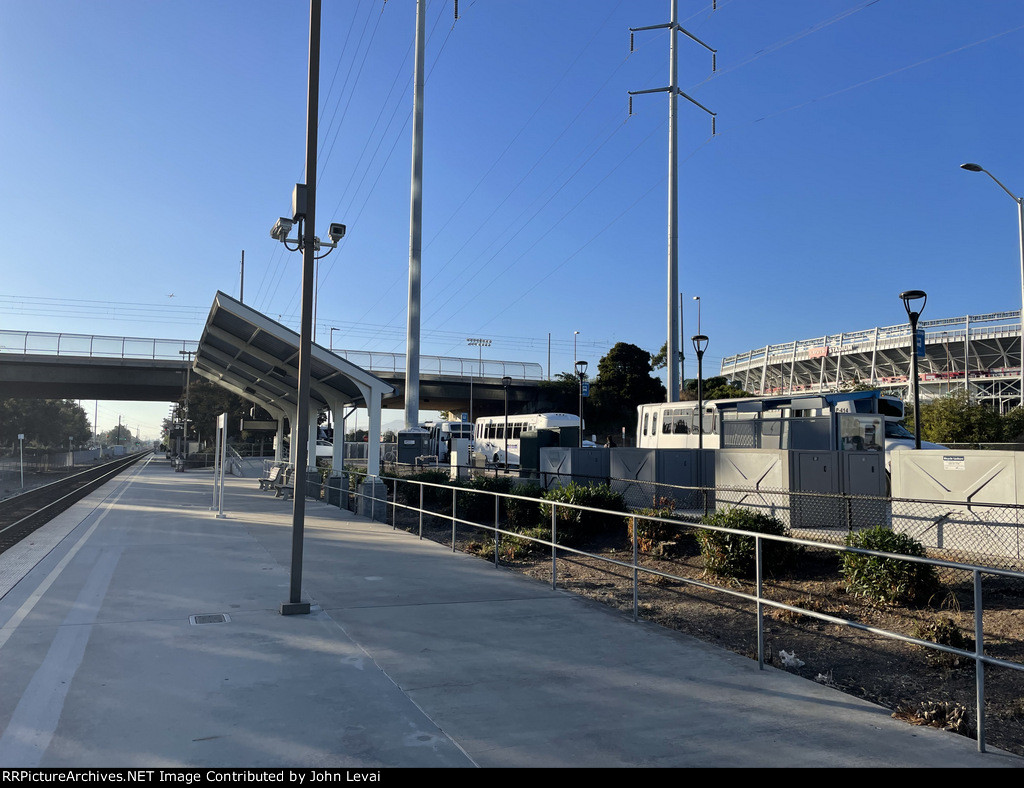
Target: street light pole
point(581, 371)
point(908, 298)
point(1020, 234)
point(506, 382)
point(700, 344)
point(480, 344)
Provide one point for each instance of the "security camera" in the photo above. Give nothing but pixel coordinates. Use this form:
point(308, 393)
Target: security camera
point(281, 228)
point(336, 232)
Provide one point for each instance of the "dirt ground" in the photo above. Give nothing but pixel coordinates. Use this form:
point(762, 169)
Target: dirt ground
point(899, 676)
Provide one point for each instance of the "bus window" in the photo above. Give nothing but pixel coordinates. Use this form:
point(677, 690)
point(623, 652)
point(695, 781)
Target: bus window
point(680, 428)
point(645, 423)
point(654, 423)
point(666, 424)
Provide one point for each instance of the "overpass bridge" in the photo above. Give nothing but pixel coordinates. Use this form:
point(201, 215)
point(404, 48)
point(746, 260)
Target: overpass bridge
point(48, 365)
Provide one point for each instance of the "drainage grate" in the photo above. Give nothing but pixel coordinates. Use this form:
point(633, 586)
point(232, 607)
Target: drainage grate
point(211, 618)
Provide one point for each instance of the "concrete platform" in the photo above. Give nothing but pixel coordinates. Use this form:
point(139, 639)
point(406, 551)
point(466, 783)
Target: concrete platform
point(412, 657)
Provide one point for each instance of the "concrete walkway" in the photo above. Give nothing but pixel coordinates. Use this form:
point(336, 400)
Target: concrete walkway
point(413, 656)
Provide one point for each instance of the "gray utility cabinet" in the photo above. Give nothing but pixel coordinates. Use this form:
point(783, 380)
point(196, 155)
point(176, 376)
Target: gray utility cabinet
point(960, 500)
point(646, 476)
point(560, 466)
point(412, 444)
point(804, 489)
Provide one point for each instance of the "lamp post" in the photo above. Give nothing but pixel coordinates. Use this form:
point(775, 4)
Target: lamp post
point(700, 344)
point(697, 299)
point(1020, 234)
point(332, 337)
point(505, 383)
point(480, 344)
point(909, 297)
point(581, 371)
point(574, 335)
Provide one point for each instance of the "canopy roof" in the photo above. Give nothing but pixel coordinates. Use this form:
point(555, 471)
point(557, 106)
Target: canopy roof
point(247, 352)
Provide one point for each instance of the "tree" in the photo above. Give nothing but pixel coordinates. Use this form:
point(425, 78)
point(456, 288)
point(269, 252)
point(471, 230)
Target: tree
point(206, 402)
point(714, 388)
point(44, 422)
point(624, 381)
point(955, 419)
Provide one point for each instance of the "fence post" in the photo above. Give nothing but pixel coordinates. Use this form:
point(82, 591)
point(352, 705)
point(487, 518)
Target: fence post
point(453, 518)
point(760, 607)
point(394, 505)
point(979, 666)
point(421, 511)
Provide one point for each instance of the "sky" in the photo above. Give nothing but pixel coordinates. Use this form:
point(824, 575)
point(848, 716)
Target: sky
point(145, 144)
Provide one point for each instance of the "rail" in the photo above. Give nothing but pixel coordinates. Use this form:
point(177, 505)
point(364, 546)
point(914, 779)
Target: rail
point(758, 598)
point(93, 346)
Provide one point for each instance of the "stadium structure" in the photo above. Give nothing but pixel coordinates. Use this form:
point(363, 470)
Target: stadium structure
point(977, 353)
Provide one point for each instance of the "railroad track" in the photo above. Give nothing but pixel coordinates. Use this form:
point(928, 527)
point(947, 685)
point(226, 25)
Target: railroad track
point(23, 514)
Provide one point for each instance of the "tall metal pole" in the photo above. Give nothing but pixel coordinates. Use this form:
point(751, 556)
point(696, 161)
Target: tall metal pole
point(301, 448)
point(412, 351)
point(241, 281)
point(672, 351)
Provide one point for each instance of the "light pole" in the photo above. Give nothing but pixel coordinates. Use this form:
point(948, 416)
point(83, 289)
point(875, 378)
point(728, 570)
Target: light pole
point(332, 338)
point(909, 297)
point(700, 344)
point(574, 335)
point(581, 372)
point(505, 383)
point(697, 299)
point(1020, 234)
point(480, 344)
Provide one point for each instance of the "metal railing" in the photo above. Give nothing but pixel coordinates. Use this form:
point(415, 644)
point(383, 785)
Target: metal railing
point(499, 531)
point(89, 346)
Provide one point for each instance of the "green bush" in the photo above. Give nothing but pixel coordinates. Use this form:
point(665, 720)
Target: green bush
point(651, 535)
point(476, 503)
point(575, 525)
point(888, 580)
point(732, 555)
point(435, 499)
point(523, 514)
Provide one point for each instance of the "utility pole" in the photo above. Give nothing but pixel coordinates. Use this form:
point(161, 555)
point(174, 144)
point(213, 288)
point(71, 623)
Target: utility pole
point(412, 334)
point(412, 341)
point(672, 355)
point(241, 281)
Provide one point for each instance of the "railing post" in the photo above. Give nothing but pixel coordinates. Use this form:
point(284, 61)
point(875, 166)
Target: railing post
point(554, 550)
point(453, 518)
point(421, 511)
point(497, 536)
point(760, 607)
point(979, 666)
point(636, 573)
point(394, 505)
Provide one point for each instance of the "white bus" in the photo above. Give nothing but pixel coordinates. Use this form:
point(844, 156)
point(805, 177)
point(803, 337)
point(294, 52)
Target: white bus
point(441, 435)
point(489, 439)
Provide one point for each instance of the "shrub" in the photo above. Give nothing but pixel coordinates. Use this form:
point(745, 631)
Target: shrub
point(651, 535)
point(523, 514)
point(732, 555)
point(435, 499)
point(888, 580)
point(511, 548)
point(479, 506)
point(575, 525)
point(356, 475)
point(945, 632)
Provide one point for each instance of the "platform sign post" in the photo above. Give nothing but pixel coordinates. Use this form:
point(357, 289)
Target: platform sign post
point(221, 453)
point(21, 451)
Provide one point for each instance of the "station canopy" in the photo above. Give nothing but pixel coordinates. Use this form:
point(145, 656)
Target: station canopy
point(248, 353)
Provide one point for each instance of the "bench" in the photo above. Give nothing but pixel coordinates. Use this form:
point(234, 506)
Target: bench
point(284, 486)
point(269, 480)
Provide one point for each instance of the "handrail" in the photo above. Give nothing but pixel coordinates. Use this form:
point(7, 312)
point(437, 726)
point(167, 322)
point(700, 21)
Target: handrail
point(758, 598)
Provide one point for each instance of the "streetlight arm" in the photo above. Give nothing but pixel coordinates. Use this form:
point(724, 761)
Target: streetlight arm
point(979, 168)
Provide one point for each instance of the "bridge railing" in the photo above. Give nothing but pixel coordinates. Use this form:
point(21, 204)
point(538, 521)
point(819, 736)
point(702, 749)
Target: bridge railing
point(91, 346)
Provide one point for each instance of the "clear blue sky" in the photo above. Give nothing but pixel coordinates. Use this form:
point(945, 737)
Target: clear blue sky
point(145, 144)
